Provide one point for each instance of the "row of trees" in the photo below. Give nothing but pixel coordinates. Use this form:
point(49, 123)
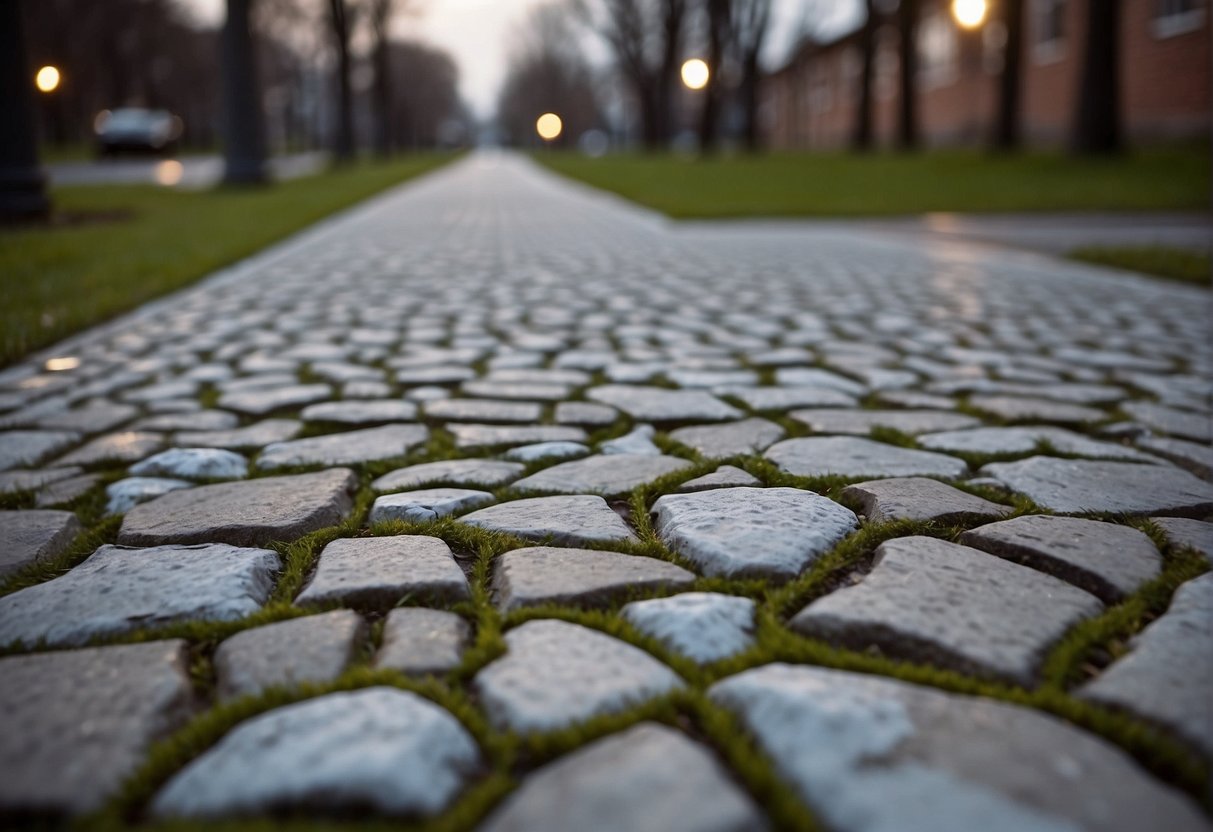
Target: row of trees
point(1096, 125)
point(647, 42)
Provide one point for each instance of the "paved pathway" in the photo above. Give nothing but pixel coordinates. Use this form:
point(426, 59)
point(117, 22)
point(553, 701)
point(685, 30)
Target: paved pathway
point(785, 524)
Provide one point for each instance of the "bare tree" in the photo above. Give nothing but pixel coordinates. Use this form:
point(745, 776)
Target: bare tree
point(1097, 115)
point(907, 111)
point(424, 95)
point(1007, 127)
point(243, 123)
point(861, 138)
point(751, 21)
point(719, 18)
point(380, 16)
point(341, 21)
point(645, 37)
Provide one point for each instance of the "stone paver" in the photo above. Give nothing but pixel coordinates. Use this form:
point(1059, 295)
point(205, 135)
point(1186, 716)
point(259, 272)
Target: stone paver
point(417, 640)
point(854, 457)
point(315, 648)
point(248, 513)
point(29, 536)
point(580, 520)
point(193, 464)
point(1000, 617)
point(117, 590)
point(581, 577)
point(555, 674)
point(703, 626)
point(919, 498)
point(428, 504)
point(1071, 486)
point(1168, 672)
point(380, 571)
point(489, 310)
point(608, 475)
point(1183, 531)
point(380, 748)
point(871, 754)
point(1107, 560)
point(768, 532)
point(649, 778)
point(350, 448)
point(483, 473)
point(76, 723)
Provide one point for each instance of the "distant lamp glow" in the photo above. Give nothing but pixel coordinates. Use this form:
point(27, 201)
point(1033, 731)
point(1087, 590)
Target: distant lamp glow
point(169, 172)
point(47, 79)
point(549, 126)
point(695, 74)
point(970, 13)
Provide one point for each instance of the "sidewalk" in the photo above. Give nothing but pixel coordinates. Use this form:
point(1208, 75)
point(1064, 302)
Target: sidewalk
point(502, 504)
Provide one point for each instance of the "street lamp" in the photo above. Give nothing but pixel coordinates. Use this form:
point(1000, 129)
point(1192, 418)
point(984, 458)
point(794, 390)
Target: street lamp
point(970, 13)
point(695, 74)
point(47, 79)
point(549, 126)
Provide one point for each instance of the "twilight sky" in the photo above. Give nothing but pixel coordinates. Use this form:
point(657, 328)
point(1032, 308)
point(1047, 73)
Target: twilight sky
point(477, 34)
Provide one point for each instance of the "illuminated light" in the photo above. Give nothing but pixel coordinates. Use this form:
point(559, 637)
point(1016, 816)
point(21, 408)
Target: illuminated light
point(169, 172)
point(695, 74)
point(47, 79)
point(549, 126)
point(970, 13)
point(58, 365)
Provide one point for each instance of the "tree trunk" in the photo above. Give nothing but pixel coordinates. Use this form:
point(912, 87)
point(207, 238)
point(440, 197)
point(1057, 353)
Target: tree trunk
point(709, 118)
point(1007, 128)
point(244, 133)
point(1097, 115)
point(861, 140)
point(667, 80)
point(383, 98)
point(907, 111)
point(749, 102)
point(22, 185)
point(344, 148)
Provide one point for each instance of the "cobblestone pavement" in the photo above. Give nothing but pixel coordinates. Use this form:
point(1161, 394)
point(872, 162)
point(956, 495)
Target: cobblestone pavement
point(499, 504)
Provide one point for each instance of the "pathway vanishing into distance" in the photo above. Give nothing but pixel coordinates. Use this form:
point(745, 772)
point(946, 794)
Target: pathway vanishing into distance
point(498, 503)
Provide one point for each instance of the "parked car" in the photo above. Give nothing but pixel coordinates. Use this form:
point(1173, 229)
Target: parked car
point(136, 130)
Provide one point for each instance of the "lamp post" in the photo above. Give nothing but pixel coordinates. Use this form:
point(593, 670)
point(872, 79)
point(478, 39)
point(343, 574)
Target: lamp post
point(970, 14)
point(695, 74)
point(22, 183)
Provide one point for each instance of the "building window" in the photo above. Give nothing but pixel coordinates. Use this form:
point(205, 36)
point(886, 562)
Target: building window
point(1177, 17)
point(1048, 30)
point(938, 51)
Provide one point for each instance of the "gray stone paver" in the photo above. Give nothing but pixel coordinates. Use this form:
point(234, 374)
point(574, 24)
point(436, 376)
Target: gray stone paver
point(491, 307)
point(28, 536)
point(547, 574)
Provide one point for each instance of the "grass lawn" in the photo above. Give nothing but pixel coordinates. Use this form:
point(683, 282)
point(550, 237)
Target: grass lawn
point(1174, 263)
point(847, 185)
point(115, 247)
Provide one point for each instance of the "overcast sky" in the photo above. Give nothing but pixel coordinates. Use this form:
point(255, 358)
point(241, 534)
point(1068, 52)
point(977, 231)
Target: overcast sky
point(477, 33)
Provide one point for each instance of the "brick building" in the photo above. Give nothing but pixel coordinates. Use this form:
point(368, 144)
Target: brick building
point(1165, 82)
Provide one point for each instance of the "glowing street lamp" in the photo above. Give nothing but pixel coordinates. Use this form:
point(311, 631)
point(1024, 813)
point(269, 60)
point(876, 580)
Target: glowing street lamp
point(549, 126)
point(47, 79)
point(970, 13)
point(695, 74)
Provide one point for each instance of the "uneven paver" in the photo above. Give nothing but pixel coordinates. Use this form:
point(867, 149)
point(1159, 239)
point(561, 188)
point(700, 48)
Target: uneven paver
point(555, 674)
point(118, 589)
point(770, 532)
point(703, 626)
point(193, 464)
point(1168, 672)
point(315, 648)
point(75, 724)
point(870, 754)
point(649, 778)
point(246, 513)
point(379, 571)
point(551, 575)
point(919, 498)
point(1107, 560)
point(490, 325)
point(1000, 617)
point(378, 748)
point(29, 536)
point(417, 640)
point(580, 520)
